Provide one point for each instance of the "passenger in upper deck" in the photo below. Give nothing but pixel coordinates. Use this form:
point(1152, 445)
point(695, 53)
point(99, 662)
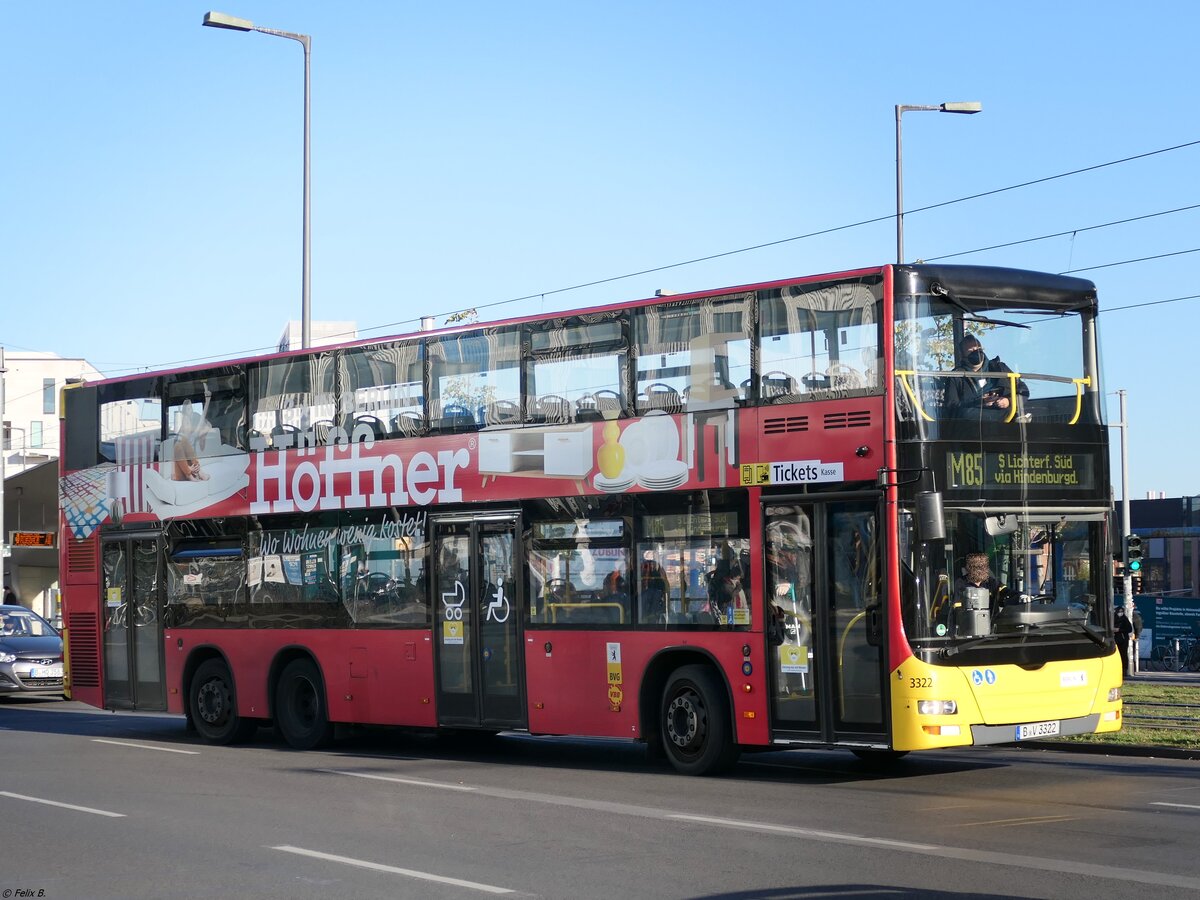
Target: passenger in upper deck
point(982, 391)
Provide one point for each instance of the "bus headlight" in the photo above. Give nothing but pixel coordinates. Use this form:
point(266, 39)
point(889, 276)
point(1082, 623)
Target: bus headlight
point(1114, 694)
point(937, 707)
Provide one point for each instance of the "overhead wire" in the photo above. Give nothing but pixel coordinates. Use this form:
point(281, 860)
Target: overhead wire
point(747, 249)
point(1057, 234)
point(1126, 262)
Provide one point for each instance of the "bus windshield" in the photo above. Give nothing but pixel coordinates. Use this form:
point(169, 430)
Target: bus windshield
point(1005, 578)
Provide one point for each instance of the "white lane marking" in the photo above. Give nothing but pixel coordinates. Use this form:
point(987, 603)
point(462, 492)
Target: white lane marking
point(1012, 860)
point(412, 781)
point(1023, 820)
point(144, 746)
point(1115, 873)
point(801, 832)
point(86, 809)
point(415, 781)
point(396, 870)
point(1179, 805)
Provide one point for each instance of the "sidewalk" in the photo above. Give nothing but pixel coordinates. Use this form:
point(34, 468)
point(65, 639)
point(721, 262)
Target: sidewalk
point(1165, 677)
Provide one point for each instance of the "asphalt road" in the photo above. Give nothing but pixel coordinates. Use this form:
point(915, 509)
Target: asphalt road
point(96, 805)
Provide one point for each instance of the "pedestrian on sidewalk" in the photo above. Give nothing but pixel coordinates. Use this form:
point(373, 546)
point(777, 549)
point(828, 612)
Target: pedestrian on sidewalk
point(1123, 631)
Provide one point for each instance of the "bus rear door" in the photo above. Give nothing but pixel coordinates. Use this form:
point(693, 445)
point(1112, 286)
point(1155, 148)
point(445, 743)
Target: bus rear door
point(133, 641)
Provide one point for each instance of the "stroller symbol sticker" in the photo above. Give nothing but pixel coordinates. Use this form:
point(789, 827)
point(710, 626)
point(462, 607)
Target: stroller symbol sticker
point(452, 627)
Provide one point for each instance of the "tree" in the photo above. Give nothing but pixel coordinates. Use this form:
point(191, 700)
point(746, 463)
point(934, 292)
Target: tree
point(463, 317)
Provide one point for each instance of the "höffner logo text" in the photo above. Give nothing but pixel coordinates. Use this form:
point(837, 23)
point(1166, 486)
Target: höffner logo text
point(420, 480)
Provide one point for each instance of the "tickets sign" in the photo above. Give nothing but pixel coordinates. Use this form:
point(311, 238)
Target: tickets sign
point(797, 471)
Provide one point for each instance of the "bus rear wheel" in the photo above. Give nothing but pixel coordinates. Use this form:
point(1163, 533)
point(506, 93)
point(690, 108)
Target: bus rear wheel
point(697, 732)
point(300, 709)
point(213, 705)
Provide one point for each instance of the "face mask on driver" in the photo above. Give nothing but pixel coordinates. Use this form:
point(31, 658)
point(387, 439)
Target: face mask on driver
point(975, 357)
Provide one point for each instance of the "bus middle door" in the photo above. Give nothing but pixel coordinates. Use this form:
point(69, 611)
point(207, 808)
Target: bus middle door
point(477, 633)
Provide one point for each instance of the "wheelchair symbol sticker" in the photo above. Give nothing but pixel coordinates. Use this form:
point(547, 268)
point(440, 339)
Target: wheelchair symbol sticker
point(979, 677)
point(499, 602)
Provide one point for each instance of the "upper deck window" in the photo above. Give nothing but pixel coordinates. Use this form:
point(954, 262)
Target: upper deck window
point(577, 370)
point(290, 396)
point(206, 414)
point(819, 341)
point(130, 421)
point(694, 354)
point(475, 378)
point(382, 387)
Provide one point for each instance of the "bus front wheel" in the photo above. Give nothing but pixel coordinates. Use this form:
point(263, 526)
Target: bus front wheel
point(213, 705)
point(300, 710)
point(696, 730)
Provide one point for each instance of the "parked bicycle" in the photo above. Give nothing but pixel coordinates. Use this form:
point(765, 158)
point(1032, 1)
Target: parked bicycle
point(1162, 658)
point(1188, 656)
point(1177, 655)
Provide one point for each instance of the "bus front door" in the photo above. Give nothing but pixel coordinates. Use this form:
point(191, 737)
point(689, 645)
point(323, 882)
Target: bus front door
point(477, 630)
point(133, 642)
point(824, 621)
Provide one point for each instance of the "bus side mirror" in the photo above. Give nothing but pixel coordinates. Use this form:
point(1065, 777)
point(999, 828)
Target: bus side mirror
point(931, 519)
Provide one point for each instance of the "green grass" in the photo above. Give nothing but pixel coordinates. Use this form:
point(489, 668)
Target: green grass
point(1153, 735)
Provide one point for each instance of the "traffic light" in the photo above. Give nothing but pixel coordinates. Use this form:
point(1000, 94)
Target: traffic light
point(1133, 554)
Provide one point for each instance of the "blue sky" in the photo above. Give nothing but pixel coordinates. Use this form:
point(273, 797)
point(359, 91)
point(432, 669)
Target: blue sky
point(464, 154)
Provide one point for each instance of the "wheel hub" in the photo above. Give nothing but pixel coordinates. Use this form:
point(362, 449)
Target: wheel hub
point(211, 702)
point(685, 720)
point(305, 703)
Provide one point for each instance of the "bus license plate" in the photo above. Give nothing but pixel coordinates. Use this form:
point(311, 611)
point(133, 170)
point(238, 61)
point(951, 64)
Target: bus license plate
point(1036, 730)
point(46, 672)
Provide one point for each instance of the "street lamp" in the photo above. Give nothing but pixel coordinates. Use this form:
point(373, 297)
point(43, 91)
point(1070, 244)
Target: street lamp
point(221, 20)
point(968, 108)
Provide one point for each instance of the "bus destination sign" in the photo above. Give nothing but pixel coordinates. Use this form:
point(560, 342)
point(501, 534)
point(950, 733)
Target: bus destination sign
point(32, 538)
point(1033, 471)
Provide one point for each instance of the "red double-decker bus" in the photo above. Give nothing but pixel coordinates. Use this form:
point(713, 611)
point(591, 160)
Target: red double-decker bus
point(865, 510)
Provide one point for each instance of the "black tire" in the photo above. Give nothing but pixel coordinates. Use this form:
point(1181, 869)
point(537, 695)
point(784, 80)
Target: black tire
point(300, 709)
point(212, 705)
point(697, 733)
point(881, 758)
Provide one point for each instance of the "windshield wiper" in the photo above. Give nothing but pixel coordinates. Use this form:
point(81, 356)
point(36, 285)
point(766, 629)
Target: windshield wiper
point(1082, 626)
point(938, 289)
point(1002, 640)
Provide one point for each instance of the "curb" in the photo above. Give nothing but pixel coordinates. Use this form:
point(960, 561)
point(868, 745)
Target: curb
point(1143, 750)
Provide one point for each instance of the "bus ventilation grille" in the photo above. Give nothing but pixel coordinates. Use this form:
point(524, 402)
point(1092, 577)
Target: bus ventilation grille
point(84, 646)
point(784, 425)
point(861, 419)
point(81, 556)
